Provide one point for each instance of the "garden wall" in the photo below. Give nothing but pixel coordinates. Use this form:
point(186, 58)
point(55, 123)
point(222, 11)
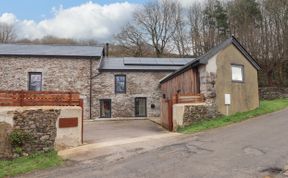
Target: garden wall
point(269, 93)
point(186, 114)
point(42, 129)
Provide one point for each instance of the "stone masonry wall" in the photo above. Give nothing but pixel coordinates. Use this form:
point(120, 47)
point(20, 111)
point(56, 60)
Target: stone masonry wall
point(195, 113)
point(207, 84)
point(40, 125)
point(58, 74)
point(269, 93)
point(138, 84)
point(208, 89)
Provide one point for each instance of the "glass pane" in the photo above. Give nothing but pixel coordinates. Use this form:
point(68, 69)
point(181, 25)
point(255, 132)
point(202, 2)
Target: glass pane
point(105, 108)
point(237, 73)
point(120, 84)
point(140, 107)
point(35, 82)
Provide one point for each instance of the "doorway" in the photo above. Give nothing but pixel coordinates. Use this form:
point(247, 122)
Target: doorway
point(140, 107)
point(105, 108)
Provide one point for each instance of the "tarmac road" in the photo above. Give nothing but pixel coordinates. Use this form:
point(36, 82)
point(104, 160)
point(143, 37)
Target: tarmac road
point(243, 150)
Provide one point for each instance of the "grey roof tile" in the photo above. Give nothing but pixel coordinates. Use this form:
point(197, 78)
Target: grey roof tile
point(50, 50)
point(146, 64)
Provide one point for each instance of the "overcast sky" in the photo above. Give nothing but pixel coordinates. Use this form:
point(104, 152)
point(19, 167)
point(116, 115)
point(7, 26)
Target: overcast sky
point(77, 19)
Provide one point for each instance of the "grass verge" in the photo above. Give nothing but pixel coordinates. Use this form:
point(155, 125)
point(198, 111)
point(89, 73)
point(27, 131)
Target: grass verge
point(265, 108)
point(30, 163)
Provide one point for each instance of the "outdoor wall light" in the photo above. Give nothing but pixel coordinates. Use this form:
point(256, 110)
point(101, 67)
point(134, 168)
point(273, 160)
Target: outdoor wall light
point(152, 106)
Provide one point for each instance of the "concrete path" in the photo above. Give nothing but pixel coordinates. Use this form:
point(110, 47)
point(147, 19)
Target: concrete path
point(94, 150)
point(252, 149)
point(107, 131)
point(106, 137)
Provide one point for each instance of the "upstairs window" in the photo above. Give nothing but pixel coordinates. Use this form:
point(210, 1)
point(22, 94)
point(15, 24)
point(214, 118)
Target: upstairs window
point(120, 83)
point(35, 81)
point(237, 73)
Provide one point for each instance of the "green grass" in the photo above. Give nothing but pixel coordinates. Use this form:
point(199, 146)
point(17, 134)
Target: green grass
point(265, 108)
point(29, 163)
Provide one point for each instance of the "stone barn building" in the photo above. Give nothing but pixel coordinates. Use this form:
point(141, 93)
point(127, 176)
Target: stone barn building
point(130, 87)
point(49, 68)
point(110, 87)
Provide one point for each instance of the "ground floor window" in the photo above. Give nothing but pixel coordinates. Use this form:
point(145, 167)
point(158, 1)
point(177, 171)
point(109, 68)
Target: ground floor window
point(105, 108)
point(140, 107)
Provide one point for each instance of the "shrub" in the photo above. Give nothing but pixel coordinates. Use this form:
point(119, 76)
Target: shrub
point(18, 150)
point(18, 138)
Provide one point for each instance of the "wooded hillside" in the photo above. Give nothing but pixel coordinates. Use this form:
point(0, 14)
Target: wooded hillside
point(166, 27)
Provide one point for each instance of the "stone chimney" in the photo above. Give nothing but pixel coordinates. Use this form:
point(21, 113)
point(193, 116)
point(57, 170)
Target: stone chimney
point(107, 49)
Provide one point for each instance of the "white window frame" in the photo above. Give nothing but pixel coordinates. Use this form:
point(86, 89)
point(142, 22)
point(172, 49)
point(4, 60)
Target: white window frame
point(238, 66)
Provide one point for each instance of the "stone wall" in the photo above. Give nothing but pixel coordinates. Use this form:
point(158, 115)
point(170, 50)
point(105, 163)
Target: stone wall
point(208, 89)
point(269, 93)
point(138, 84)
point(58, 74)
point(186, 114)
point(40, 125)
point(207, 84)
point(195, 113)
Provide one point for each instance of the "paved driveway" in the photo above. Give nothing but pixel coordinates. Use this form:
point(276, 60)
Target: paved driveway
point(107, 131)
point(243, 150)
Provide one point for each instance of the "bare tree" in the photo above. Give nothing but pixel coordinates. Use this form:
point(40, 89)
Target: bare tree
point(260, 25)
point(56, 40)
point(273, 38)
point(195, 15)
point(7, 33)
point(181, 35)
point(131, 40)
point(157, 21)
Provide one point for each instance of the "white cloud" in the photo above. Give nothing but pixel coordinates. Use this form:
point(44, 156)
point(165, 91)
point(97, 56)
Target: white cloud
point(8, 18)
point(87, 21)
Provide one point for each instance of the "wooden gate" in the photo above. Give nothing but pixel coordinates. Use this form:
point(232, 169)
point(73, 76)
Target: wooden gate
point(167, 107)
point(166, 114)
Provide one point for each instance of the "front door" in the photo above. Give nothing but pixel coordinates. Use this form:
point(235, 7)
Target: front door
point(140, 107)
point(105, 108)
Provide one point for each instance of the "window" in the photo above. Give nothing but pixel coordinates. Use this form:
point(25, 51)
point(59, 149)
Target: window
point(105, 108)
point(120, 84)
point(140, 107)
point(237, 73)
point(35, 81)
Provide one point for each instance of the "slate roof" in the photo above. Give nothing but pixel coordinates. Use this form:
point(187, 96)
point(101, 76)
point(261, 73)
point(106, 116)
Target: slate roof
point(206, 57)
point(49, 50)
point(142, 64)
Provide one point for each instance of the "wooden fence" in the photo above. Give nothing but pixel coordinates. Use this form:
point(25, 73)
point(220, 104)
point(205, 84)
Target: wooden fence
point(39, 98)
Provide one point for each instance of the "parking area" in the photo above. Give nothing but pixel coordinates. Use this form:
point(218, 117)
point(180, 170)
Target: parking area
point(106, 131)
